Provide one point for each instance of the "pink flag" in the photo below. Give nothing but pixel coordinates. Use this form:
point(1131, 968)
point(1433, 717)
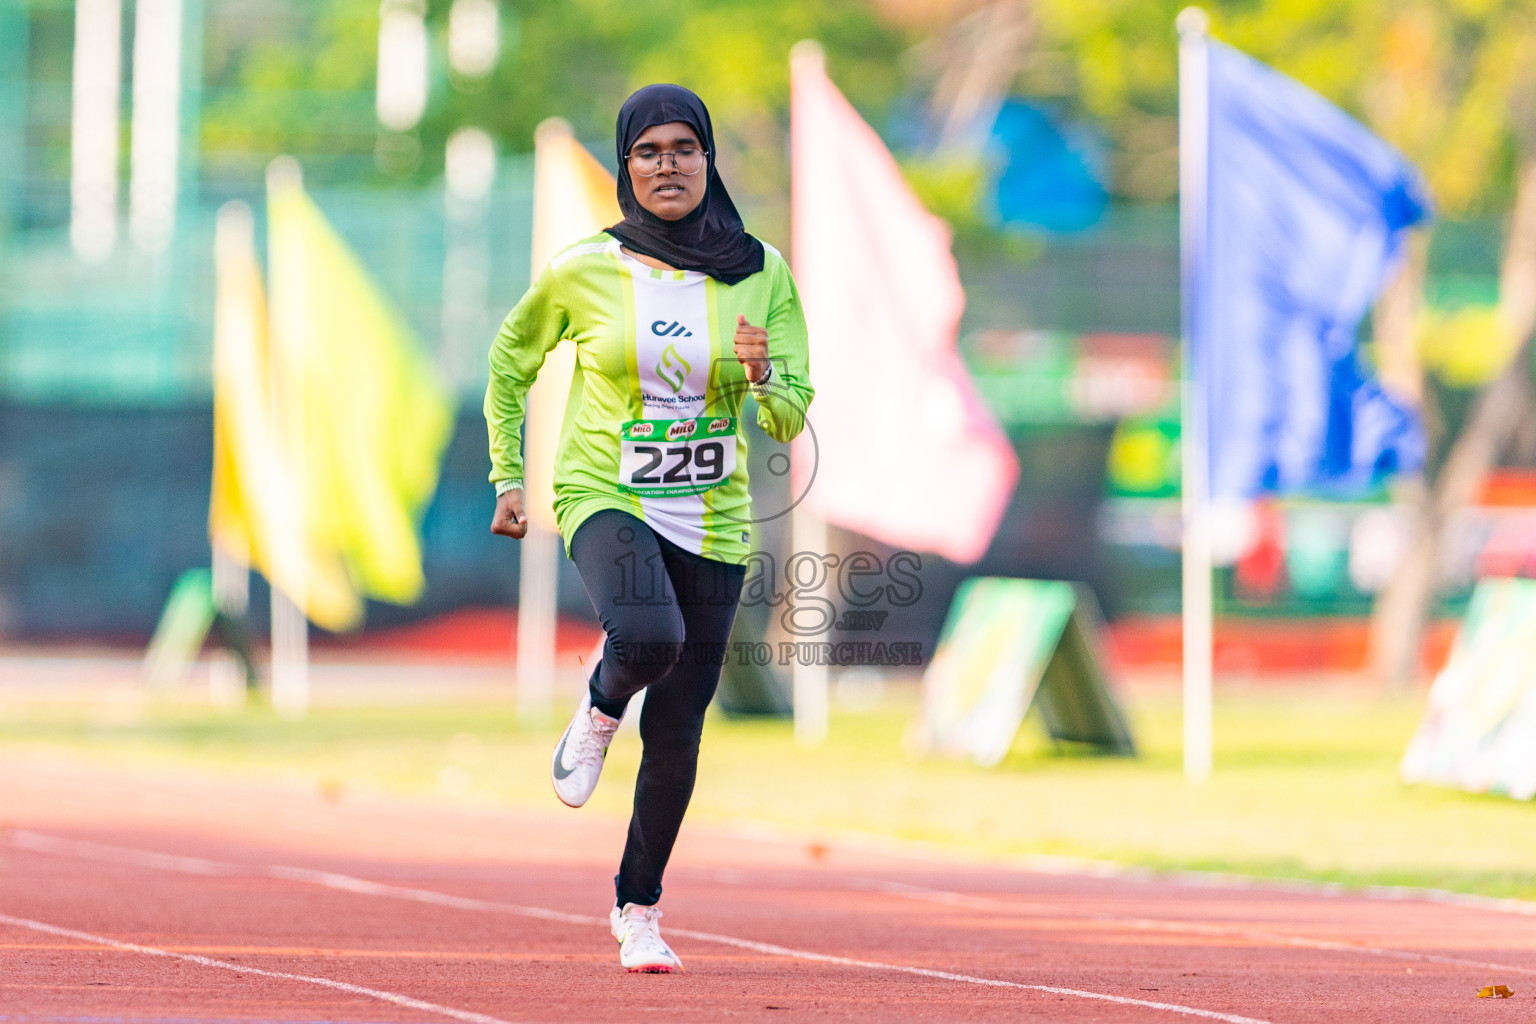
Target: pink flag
point(904, 451)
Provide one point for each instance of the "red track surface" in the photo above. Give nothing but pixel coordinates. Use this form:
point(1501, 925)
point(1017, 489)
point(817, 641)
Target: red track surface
point(278, 905)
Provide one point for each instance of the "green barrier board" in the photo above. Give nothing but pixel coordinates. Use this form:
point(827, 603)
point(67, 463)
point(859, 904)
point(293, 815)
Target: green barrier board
point(183, 626)
point(748, 689)
point(1479, 731)
point(1009, 644)
point(191, 618)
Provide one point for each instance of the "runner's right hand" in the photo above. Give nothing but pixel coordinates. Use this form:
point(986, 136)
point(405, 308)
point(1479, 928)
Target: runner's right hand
point(510, 520)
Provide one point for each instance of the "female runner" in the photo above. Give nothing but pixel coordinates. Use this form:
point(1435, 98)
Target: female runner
point(677, 314)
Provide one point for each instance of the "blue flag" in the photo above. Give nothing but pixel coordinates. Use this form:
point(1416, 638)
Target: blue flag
point(1307, 214)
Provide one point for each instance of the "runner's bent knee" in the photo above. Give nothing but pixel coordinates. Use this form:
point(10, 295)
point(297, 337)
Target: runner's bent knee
point(645, 648)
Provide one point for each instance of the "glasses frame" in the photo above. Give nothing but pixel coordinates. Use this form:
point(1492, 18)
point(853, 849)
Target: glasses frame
point(661, 156)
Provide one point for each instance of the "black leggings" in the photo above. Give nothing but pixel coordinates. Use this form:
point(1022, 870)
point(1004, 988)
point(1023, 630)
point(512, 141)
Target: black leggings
point(668, 614)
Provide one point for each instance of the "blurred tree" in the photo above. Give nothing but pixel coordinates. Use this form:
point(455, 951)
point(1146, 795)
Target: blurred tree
point(577, 59)
point(1450, 82)
point(959, 75)
point(1454, 86)
point(268, 94)
point(1114, 62)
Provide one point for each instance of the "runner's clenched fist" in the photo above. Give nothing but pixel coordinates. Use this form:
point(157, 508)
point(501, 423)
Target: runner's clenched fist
point(752, 349)
point(510, 520)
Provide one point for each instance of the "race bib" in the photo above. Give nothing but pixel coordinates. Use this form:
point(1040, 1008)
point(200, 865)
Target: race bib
point(669, 458)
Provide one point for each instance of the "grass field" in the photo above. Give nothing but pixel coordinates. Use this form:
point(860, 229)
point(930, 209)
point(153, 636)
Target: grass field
point(1305, 784)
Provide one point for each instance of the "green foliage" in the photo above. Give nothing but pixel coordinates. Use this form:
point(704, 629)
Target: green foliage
point(269, 94)
point(1116, 63)
point(951, 188)
point(1305, 784)
point(1450, 82)
point(297, 80)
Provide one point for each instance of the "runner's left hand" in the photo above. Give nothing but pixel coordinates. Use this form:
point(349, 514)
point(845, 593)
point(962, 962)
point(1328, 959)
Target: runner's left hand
point(509, 519)
point(751, 348)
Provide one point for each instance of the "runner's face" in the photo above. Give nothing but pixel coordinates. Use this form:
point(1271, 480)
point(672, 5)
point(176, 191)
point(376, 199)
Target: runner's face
point(667, 194)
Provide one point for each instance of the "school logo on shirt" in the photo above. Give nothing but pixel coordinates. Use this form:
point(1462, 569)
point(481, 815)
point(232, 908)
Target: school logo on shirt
point(673, 368)
point(670, 330)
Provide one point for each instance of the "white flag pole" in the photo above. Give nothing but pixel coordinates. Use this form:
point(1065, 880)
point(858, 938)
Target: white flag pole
point(1194, 154)
point(808, 676)
point(469, 173)
point(290, 563)
point(234, 246)
point(231, 596)
point(94, 128)
point(538, 585)
point(537, 594)
point(807, 529)
point(154, 151)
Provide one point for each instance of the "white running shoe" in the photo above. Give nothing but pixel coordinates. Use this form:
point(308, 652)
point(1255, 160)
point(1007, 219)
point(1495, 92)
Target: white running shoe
point(578, 759)
point(641, 947)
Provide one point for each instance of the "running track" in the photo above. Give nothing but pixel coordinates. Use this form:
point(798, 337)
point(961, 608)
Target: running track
point(128, 897)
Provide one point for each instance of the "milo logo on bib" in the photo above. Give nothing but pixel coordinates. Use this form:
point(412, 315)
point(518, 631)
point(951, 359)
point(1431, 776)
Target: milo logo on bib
point(681, 429)
point(642, 429)
point(716, 426)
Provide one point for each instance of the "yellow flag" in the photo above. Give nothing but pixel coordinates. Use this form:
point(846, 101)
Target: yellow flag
point(573, 196)
point(363, 409)
point(242, 451)
point(1467, 347)
point(250, 479)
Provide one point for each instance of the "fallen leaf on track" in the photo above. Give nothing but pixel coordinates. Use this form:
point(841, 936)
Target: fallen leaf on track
point(1494, 992)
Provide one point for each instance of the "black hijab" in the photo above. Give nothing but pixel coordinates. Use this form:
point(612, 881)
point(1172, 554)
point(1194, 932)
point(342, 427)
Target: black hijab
point(709, 239)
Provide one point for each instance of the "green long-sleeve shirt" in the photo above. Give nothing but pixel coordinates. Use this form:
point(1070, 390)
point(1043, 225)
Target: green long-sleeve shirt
point(652, 426)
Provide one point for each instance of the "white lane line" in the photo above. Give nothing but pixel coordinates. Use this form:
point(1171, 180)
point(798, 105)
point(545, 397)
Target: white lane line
point(924, 972)
point(349, 883)
point(362, 886)
point(123, 855)
point(192, 958)
point(1003, 906)
point(1084, 867)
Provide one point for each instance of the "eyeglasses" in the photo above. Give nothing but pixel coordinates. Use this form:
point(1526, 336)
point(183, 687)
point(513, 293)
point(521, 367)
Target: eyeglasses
point(687, 160)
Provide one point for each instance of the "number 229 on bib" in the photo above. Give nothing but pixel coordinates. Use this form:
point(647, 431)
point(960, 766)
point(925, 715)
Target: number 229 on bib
point(672, 458)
